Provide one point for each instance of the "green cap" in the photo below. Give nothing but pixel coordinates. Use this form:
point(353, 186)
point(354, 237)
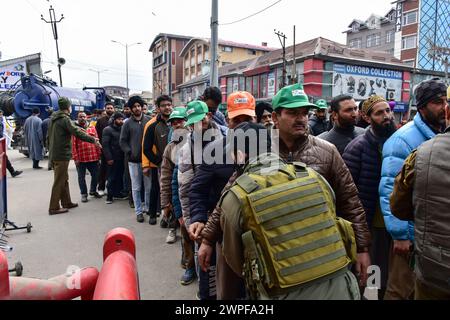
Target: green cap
point(196, 111)
point(292, 97)
point(322, 104)
point(178, 113)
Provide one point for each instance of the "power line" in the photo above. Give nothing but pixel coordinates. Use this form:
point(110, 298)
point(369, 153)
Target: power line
point(252, 15)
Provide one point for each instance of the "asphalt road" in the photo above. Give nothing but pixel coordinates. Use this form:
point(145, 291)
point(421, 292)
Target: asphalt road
point(76, 238)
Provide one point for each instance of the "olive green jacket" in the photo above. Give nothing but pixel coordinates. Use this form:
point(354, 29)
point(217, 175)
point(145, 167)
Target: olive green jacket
point(59, 137)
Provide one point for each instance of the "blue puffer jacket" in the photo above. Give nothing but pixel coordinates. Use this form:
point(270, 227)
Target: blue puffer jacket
point(363, 158)
point(175, 196)
point(395, 152)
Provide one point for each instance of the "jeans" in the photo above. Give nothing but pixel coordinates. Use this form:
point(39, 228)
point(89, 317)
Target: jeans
point(206, 280)
point(92, 167)
point(137, 176)
point(115, 179)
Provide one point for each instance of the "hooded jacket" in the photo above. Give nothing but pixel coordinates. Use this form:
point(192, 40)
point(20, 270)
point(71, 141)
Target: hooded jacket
point(111, 143)
point(155, 141)
point(60, 134)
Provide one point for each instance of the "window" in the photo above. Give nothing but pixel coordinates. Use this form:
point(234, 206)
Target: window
point(263, 86)
point(229, 86)
point(390, 36)
point(248, 84)
point(227, 49)
point(390, 51)
point(242, 83)
point(409, 18)
point(355, 27)
point(373, 40)
point(409, 42)
point(255, 87)
point(356, 43)
point(199, 50)
point(252, 52)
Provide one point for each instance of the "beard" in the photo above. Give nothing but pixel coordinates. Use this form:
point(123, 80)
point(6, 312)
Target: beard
point(384, 130)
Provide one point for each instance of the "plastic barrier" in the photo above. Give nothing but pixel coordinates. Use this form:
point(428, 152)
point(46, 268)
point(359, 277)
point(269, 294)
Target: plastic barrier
point(64, 287)
point(118, 279)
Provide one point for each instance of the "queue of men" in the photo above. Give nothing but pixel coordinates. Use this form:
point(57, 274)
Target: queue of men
point(301, 212)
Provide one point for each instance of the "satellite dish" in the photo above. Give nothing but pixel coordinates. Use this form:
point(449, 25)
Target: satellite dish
point(61, 61)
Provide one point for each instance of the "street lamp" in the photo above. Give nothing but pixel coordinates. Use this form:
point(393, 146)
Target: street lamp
point(98, 75)
point(126, 45)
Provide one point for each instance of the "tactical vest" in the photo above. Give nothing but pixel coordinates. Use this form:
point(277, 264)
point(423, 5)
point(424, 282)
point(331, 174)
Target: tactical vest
point(291, 233)
point(431, 209)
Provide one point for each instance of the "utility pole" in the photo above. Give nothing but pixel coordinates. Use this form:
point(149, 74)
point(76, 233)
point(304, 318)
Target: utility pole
point(282, 38)
point(126, 45)
point(294, 64)
point(214, 72)
point(98, 75)
point(54, 22)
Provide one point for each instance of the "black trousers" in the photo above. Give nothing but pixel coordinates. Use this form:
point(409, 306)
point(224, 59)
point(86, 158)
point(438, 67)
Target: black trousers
point(103, 174)
point(9, 166)
point(115, 178)
point(155, 199)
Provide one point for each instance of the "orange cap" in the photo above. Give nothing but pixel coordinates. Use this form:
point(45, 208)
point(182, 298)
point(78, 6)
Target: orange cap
point(241, 103)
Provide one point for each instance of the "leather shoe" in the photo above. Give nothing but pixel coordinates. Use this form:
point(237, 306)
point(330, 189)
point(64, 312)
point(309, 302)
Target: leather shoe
point(59, 211)
point(71, 206)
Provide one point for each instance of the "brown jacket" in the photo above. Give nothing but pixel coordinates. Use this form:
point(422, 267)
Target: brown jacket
point(326, 160)
point(169, 160)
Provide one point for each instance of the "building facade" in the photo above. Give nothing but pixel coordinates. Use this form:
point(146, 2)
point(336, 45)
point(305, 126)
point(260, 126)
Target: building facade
point(117, 91)
point(196, 63)
point(423, 33)
point(167, 65)
point(376, 33)
point(326, 69)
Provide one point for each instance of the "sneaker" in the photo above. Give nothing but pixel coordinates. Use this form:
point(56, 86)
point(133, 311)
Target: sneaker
point(152, 221)
point(140, 218)
point(101, 193)
point(172, 236)
point(109, 201)
point(121, 197)
point(188, 277)
point(96, 195)
point(16, 173)
point(84, 198)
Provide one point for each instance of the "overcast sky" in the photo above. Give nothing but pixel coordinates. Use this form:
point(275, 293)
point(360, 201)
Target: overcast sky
point(90, 25)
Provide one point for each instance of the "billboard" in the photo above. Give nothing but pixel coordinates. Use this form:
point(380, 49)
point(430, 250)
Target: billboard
point(10, 75)
point(362, 82)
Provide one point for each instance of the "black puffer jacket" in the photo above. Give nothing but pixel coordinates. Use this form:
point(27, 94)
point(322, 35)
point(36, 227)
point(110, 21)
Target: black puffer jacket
point(207, 186)
point(111, 143)
point(363, 158)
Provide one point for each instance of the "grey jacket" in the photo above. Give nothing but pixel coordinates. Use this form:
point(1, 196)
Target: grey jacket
point(131, 138)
